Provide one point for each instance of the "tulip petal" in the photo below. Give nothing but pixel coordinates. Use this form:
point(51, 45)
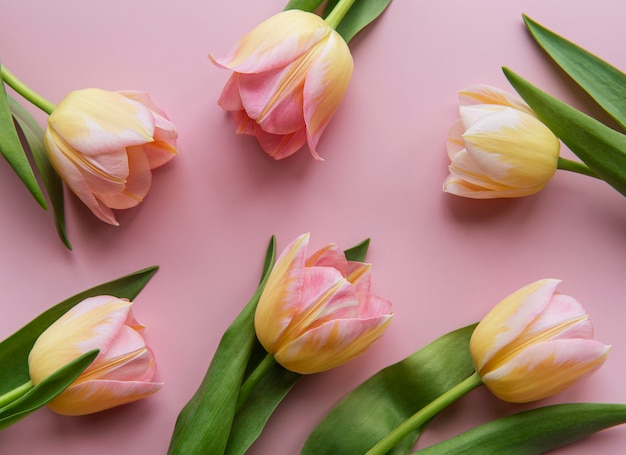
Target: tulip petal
point(138, 182)
point(95, 396)
point(564, 317)
point(275, 42)
point(455, 140)
point(485, 94)
point(326, 82)
point(329, 256)
point(282, 294)
point(359, 275)
point(331, 344)
point(508, 319)
point(230, 100)
point(280, 146)
point(544, 369)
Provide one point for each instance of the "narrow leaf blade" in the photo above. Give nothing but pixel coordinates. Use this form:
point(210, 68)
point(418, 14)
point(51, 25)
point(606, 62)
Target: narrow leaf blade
point(51, 180)
point(204, 424)
point(598, 146)
point(12, 150)
point(384, 401)
point(304, 5)
point(15, 349)
point(46, 390)
point(533, 432)
point(358, 252)
point(602, 81)
point(360, 15)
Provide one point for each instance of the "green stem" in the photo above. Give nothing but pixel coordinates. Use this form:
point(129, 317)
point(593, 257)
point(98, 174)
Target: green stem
point(254, 378)
point(14, 394)
point(338, 12)
point(575, 166)
point(25, 91)
point(425, 414)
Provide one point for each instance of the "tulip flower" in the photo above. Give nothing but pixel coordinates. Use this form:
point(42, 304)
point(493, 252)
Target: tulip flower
point(289, 76)
point(498, 148)
point(318, 312)
point(104, 145)
point(535, 343)
point(122, 372)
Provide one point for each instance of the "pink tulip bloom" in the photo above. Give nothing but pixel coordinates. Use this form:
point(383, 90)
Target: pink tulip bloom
point(122, 372)
point(498, 148)
point(534, 344)
point(289, 76)
point(318, 312)
point(104, 145)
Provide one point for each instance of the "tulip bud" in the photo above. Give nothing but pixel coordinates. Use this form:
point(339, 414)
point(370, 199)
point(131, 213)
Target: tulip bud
point(498, 148)
point(289, 76)
point(318, 312)
point(104, 145)
point(534, 344)
point(122, 372)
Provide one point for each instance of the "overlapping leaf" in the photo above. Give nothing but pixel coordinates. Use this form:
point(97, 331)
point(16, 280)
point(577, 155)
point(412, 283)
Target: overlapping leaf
point(533, 432)
point(380, 404)
point(360, 15)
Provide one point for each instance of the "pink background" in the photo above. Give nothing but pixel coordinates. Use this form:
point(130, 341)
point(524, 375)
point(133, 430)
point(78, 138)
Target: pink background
point(442, 260)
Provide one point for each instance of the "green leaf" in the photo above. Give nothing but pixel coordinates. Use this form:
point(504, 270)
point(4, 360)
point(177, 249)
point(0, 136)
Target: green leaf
point(602, 81)
point(533, 432)
point(358, 252)
point(12, 150)
point(46, 390)
point(15, 349)
point(384, 401)
point(51, 180)
point(361, 14)
point(304, 5)
point(598, 146)
point(204, 424)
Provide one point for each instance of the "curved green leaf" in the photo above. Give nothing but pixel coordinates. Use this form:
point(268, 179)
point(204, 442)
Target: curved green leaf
point(361, 14)
point(46, 390)
point(533, 432)
point(51, 180)
point(15, 349)
point(602, 81)
point(384, 401)
point(598, 146)
point(358, 252)
point(204, 424)
point(12, 150)
point(304, 5)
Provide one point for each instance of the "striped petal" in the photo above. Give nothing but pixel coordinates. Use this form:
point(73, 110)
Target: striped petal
point(138, 182)
point(329, 256)
point(485, 94)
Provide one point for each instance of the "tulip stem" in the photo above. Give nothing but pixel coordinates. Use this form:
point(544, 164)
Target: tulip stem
point(21, 88)
point(14, 394)
point(575, 166)
point(425, 414)
point(338, 12)
point(255, 377)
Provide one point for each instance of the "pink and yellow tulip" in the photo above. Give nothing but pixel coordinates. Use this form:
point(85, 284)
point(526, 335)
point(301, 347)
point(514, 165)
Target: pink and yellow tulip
point(535, 343)
point(289, 76)
point(318, 312)
point(104, 145)
point(122, 372)
point(498, 148)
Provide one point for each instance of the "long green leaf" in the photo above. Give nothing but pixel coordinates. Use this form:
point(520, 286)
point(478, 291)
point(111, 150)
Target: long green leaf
point(602, 81)
point(252, 417)
point(12, 150)
point(361, 14)
point(51, 180)
point(533, 432)
point(46, 390)
point(304, 5)
point(204, 424)
point(598, 146)
point(391, 396)
point(15, 349)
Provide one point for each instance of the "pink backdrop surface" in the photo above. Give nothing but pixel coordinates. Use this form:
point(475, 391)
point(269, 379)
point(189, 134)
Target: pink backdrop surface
point(443, 261)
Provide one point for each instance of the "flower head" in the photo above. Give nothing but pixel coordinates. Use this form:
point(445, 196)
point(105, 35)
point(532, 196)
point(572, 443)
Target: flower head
point(122, 372)
point(534, 344)
point(289, 76)
point(318, 312)
point(498, 148)
point(104, 145)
